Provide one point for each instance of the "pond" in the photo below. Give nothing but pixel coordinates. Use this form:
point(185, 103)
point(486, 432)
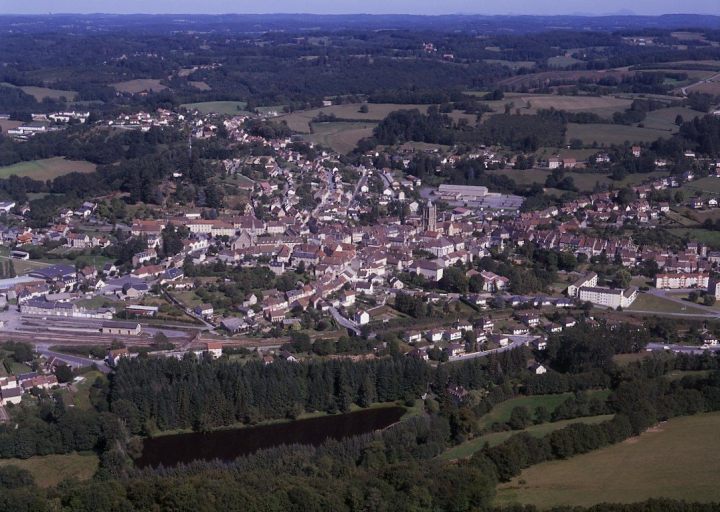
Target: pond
point(229, 444)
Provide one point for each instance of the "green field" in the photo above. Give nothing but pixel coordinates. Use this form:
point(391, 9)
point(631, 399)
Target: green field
point(46, 169)
point(664, 119)
point(218, 107)
point(512, 64)
point(139, 85)
point(608, 134)
point(468, 448)
point(562, 61)
point(501, 412)
point(300, 121)
point(707, 187)
point(50, 470)
point(584, 181)
point(647, 302)
point(704, 236)
point(678, 459)
point(341, 137)
point(44, 92)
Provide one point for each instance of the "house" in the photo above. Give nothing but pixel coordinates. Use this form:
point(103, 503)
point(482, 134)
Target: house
point(11, 396)
point(609, 297)
point(501, 340)
point(590, 279)
point(493, 282)
point(114, 355)
point(213, 349)
point(455, 349)
point(347, 298)
point(204, 310)
point(121, 328)
point(362, 317)
point(412, 337)
point(538, 369)
point(435, 335)
point(233, 324)
point(428, 269)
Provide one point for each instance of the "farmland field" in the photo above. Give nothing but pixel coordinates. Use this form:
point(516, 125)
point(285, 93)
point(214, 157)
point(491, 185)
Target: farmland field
point(601, 105)
point(584, 181)
point(341, 137)
point(468, 448)
point(709, 186)
point(512, 64)
point(7, 124)
point(43, 92)
point(139, 85)
point(46, 169)
point(647, 302)
point(201, 86)
point(562, 61)
point(501, 412)
point(608, 134)
point(677, 459)
point(47, 469)
point(218, 107)
point(704, 236)
point(664, 119)
point(300, 121)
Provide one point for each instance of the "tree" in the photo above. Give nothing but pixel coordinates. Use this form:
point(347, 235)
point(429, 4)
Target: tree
point(679, 120)
point(63, 373)
point(519, 418)
point(542, 415)
point(709, 300)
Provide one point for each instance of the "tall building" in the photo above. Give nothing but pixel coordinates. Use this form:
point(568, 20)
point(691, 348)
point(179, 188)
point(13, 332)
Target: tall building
point(430, 216)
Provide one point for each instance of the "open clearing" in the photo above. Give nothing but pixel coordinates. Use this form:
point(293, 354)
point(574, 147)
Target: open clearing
point(709, 186)
point(584, 181)
point(50, 470)
point(704, 236)
point(341, 137)
point(300, 121)
point(512, 64)
point(676, 460)
point(647, 302)
point(218, 107)
point(467, 449)
point(501, 412)
point(608, 134)
point(8, 124)
point(603, 106)
point(44, 92)
point(47, 168)
point(139, 85)
point(664, 119)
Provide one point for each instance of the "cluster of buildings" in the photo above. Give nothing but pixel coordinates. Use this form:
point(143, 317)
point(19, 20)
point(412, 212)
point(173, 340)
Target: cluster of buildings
point(12, 387)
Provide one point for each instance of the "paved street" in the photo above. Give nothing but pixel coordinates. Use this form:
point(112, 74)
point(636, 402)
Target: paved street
point(345, 322)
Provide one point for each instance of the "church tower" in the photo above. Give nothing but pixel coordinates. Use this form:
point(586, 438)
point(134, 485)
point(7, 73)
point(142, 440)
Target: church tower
point(430, 217)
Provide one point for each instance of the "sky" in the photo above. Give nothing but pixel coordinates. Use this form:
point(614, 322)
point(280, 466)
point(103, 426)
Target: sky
point(591, 7)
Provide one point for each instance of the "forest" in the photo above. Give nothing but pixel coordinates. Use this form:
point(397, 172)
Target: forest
point(394, 469)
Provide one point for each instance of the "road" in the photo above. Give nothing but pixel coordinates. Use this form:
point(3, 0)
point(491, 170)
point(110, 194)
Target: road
point(681, 349)
point(516, 342)
point(44, 349)
point(714, 78)
point(348, 324)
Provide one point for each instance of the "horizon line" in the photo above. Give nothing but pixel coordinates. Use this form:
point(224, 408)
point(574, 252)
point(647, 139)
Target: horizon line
point(288, 13)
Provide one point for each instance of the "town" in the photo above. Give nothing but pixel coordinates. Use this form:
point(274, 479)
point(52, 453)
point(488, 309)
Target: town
point(358, 265)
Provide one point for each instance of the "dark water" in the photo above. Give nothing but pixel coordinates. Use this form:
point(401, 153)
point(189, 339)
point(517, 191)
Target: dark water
point(230, 444)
